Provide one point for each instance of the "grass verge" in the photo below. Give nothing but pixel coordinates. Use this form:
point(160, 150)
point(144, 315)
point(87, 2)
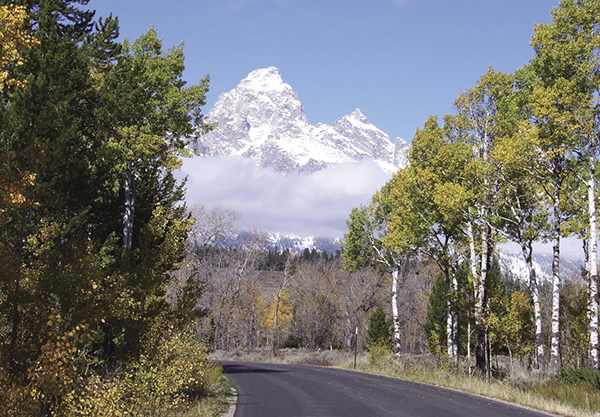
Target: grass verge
point(215, 404)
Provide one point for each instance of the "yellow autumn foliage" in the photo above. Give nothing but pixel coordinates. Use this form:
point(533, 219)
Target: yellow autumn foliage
point(13, 195)
point(13, 40)
point(285, 312)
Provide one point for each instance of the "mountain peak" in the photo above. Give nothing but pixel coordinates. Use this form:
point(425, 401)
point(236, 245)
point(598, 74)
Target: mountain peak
point(357, 114)
point(265, 79)
point(263, 119)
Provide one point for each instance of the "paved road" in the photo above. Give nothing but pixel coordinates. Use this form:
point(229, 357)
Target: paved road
point(273, 390)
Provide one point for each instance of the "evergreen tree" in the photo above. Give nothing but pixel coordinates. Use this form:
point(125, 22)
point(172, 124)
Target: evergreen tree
point(75, 276)
point(380, 329)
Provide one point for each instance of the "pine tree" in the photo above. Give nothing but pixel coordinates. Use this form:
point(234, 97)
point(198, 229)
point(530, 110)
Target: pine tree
point(380, 329)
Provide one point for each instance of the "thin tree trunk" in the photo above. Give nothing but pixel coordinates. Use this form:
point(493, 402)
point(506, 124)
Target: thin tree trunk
point(452, 318)
point(556, 285)
point(481, 301)
point(395, 315)
point(540, 355)
point(593, 266)
point(454, 321)
point(469, 345)
point(449, 318)
point(276, 324)
point(479, 267)
point(129, 211)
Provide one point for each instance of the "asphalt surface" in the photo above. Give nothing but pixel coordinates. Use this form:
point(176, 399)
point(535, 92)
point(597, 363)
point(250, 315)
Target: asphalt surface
point(273, 390)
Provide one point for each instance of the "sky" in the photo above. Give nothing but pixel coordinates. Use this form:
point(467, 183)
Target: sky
point(399, 61)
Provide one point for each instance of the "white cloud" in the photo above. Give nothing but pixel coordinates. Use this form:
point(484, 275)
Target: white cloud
point(316, 204)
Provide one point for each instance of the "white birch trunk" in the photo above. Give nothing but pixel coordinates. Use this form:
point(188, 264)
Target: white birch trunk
point(593, 265)
point(540, 354)
point(452, 318)
point(276, 323)
point(129, 209)
point(450, 331)
point(449, 317)
point(469, 345)
point(395, 315)
point(556, 284)
point(479, 267)
point(454, 322)
point(473, 253)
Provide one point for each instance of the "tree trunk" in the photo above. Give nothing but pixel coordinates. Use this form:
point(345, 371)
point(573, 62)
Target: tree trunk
point(129, 210)
point(556, 285)
point(449, 317)
point(395, 315)
point(540, 355)
point(454, 321)
point(276, 323)
point(593, 265)
point(449, 331)
point(480, 306)
point(479, 268)
point(469, 345)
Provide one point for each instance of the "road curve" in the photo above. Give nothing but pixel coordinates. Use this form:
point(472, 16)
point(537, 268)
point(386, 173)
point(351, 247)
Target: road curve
point(299, 391)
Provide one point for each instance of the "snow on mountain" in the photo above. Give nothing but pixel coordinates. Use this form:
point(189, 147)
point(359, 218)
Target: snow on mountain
point(513, 266)
point(297, 244)
point(263, 119)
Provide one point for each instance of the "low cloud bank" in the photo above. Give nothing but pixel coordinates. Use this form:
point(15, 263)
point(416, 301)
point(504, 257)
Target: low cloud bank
point(316, 204)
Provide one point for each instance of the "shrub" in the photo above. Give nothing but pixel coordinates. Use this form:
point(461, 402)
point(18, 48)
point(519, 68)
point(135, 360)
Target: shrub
point(171, 373)
point(380, 353)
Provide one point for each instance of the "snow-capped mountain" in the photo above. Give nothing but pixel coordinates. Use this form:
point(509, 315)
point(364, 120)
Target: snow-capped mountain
point(297, 244)
point(513, 266)
point(263, 119)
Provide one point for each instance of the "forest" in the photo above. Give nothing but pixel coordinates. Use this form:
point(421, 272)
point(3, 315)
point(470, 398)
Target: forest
point(113, 292)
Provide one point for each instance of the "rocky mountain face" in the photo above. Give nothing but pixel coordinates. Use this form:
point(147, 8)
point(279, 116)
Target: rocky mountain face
point(263, 119)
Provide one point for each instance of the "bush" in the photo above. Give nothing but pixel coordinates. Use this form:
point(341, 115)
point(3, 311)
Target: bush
point(170, 374)
point(380, 353)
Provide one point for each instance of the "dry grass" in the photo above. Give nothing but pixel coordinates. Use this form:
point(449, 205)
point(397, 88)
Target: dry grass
point(520, 386)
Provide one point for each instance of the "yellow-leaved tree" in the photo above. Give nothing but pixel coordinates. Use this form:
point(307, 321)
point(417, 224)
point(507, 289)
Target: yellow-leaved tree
point(13, 39)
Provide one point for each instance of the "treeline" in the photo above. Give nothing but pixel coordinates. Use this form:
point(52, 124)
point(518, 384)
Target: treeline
point(91, 221)
point(258, 298)
point(517, 162)
point(254, 297)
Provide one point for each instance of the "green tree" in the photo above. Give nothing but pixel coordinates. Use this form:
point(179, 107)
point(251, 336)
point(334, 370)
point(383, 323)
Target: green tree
point(567, 83)
point(485, 114)
point(70, 289)
point(522, 210)
point(151, 115)
point(430, 200)
point(47, 144)
point(364, 246)
point(380, 329)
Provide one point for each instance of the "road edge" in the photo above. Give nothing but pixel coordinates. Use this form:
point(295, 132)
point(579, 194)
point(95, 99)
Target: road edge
point(232, 403)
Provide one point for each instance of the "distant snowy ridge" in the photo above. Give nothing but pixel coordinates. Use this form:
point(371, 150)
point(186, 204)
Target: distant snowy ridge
point(263, 119)
point(513, 265)
point(297, 244)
